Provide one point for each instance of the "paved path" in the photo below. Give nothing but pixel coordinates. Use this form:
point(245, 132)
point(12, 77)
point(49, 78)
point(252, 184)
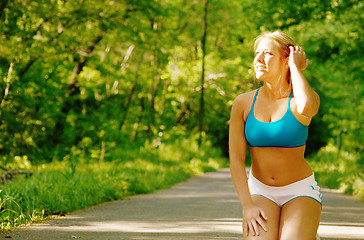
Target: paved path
point(204, 207)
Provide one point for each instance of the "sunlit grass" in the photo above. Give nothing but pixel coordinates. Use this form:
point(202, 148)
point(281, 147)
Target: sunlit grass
point(339, 170)
point(66, 186)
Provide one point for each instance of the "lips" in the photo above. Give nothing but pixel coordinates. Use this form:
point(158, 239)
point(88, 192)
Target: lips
point(260, 68)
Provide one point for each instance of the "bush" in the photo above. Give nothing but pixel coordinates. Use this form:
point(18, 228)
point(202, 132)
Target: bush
point(339, 170)
point(75, 184)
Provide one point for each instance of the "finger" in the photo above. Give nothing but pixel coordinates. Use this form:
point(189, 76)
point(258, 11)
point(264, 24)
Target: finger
point(304, 66)
point(246, 229)
point(291, 49)
point(256, 228)
point(262, 224)
point(262, 213)
point(250, 229)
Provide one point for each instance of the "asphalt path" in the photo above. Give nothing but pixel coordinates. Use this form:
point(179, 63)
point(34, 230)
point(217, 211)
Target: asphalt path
point(204, 207)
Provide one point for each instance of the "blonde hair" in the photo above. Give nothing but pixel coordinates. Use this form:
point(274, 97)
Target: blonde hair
point(283, 40)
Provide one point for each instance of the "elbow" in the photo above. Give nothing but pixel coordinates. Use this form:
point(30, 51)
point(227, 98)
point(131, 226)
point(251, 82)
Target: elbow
point(310, 106)
point(236, 159)
point(236, 166)
point(308, 109)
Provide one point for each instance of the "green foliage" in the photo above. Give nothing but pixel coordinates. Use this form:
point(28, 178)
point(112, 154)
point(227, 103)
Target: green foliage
point(129, 70)
point(63, 187)
point(81, 81)
point(339, 170)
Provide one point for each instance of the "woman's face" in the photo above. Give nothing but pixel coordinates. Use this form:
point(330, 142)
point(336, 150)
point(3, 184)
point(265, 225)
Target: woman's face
point(268, 62)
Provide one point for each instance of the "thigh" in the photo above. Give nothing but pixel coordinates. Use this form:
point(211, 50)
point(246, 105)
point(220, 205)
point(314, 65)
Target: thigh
point(300, 219)
point(272, 212)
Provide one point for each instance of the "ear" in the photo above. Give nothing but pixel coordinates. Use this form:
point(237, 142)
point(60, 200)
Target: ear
point(285, 57)
point(286, 60)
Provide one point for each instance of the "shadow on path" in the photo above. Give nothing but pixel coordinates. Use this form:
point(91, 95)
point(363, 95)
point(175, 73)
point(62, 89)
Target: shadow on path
point(204, 207)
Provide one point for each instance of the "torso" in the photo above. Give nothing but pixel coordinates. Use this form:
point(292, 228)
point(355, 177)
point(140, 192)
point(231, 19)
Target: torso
point(279, 166)
point(276, 166)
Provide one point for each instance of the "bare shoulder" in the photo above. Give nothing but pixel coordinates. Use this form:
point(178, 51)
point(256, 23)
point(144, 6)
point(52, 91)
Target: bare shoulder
point(243, 102)
point(245, 98)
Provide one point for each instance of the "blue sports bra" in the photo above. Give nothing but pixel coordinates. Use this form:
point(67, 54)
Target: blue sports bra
point(286, 132)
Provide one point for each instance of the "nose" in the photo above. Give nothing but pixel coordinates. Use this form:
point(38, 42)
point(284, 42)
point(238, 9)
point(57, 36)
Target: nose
point(259, 58)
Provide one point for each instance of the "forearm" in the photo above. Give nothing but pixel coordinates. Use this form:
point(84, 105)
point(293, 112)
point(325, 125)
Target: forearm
point(238, 173)
point(305, 97)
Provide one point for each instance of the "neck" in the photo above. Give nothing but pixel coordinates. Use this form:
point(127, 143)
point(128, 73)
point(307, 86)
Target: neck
point(278, 89)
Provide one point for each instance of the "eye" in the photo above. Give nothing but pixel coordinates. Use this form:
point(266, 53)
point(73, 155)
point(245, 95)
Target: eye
point(268, 53)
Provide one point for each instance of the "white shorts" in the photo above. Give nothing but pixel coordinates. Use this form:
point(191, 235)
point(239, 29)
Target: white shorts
point(280, 195)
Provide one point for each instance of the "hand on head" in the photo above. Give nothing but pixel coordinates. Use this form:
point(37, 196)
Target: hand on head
point(297, 58)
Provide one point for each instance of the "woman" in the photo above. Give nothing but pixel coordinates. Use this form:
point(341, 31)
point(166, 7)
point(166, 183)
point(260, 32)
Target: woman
point(281, 199)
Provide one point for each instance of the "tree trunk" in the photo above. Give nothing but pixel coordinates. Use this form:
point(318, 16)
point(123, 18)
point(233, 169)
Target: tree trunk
point(2, 7)
point(102, 152)
point(203, 46)
point(27, 67)
point(136, 124)
point(163, 101)
point(7, 89)
point(185, 113)
point(152, 111)
point(131, 94)
point(127, 104)
point(72, 90)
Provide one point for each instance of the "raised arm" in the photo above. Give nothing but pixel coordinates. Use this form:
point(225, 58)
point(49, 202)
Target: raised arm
point(253, 216)
point(307, 99)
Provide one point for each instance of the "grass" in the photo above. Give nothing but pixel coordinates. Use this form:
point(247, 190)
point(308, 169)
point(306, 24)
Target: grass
point(342, 170)
point(61, 187)
point(70, 185)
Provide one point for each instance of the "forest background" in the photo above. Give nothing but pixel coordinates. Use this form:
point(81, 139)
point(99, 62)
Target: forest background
point(142, 89)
